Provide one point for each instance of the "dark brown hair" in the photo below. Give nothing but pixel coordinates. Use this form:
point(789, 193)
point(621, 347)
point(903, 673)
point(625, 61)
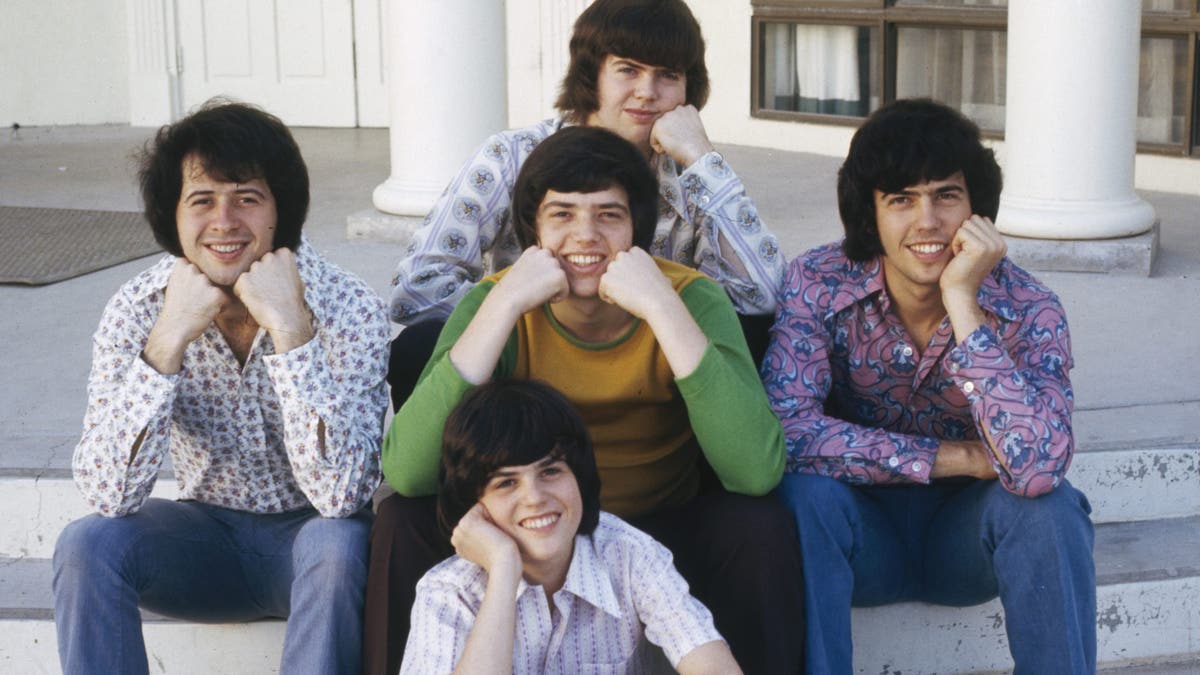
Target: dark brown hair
point(655, 32)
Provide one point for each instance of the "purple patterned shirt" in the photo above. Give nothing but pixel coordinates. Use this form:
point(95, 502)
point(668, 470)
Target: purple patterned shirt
point(622, 594)
point(244, 438)
point(860, 404)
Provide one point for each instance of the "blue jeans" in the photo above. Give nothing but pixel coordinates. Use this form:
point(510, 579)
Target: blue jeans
point(209, 564)
point(951, 543)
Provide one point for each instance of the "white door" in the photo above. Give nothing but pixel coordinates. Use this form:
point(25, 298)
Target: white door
point(294, 58)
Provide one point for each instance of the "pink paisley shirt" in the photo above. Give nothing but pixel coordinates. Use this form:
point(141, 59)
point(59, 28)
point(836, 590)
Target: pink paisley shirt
point(858, 403)
point(243, 438)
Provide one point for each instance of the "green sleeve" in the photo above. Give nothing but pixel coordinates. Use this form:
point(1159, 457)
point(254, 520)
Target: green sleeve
point(738, 432)
point(413, 444)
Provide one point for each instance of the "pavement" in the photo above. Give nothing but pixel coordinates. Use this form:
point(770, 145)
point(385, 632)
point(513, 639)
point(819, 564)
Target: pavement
point(1135, 341)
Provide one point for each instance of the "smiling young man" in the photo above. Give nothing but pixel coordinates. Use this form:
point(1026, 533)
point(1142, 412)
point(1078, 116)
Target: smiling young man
point(652, 355)
point(258, 368)
point(637, 69)
point(518, 485)
point(922, 382)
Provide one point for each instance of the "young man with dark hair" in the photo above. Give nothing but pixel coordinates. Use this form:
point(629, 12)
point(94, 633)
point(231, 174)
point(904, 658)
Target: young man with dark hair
point(922, 381)
point(637, 69)
point(652, 355)
point(519, 488)
point(258, 367)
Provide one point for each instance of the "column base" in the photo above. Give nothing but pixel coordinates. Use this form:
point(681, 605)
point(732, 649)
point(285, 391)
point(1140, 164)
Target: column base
point(375, 225)
point(1125, 255)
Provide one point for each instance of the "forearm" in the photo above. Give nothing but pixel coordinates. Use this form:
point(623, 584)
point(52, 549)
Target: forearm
point(332, 416)
point(710, 658)
point(682, 341)
point(489, 647)
point(1021, 406)
point(743, 256)
point(412, 445)
point(476, 352)
point(126, 431)
point(728, 409)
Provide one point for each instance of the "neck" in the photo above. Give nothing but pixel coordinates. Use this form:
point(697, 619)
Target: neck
point(234, 319)
point(591, 319)
point(919, 309)
point(551, 575)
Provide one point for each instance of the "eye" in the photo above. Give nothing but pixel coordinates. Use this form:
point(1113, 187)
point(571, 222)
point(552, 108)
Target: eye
point(552, 470)
point(899, 200)
point(672, 75)
point(950, 197)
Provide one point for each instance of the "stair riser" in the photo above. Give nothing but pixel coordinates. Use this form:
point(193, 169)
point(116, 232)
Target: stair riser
point(1144, 622)
point(1121, 485)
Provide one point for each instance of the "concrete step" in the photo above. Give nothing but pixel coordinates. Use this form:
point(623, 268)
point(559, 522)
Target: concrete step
point(1123, 480)
point(1148, 619)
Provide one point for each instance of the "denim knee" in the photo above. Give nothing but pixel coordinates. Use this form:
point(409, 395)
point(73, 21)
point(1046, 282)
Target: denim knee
point(815, 499)
point(92, 542)
point(335, 549)
point(1063, 508)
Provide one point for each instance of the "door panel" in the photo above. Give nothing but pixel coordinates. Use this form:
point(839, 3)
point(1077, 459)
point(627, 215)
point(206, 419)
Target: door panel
point(295, 58)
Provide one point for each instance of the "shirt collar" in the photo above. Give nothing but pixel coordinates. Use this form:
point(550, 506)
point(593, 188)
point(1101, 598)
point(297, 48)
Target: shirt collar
point(587, 579)
point(860, 280)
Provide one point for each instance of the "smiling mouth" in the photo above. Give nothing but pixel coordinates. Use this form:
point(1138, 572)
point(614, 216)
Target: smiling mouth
point(643, 115)
point(540, 522)
point(226, 248)
point(583, 260)
point(927, 249)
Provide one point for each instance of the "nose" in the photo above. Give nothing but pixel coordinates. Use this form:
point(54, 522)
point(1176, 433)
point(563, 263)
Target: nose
point(927, 216)
point(224, 216)
point(646, 86)
point(586, 229)
point(531, 493)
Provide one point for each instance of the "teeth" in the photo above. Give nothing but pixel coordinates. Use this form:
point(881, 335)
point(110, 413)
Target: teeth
point(226, 248)
point(538, 523)
point(584, 260)
point(928, 248)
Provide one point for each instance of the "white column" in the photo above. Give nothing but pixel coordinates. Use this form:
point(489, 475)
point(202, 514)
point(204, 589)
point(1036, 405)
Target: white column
point(1070, 126)
point(447, 83)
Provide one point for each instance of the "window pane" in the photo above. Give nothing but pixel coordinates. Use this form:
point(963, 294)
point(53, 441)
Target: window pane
point(962, 68)
point(1167, 6)
point(1162, 90)
point(956, 3)
point(832, 70)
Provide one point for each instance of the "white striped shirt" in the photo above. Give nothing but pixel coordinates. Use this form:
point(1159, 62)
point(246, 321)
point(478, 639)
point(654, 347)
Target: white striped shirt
point(622, 596)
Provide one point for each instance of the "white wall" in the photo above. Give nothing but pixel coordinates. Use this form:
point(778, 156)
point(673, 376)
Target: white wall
point(63, 62)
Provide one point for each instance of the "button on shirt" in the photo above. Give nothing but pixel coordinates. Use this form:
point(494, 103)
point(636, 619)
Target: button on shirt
point(471, 221)
point(859, 404)
point(622, 593)
point(244, 438)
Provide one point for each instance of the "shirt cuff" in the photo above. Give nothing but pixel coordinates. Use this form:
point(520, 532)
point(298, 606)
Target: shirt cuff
point(974, 362)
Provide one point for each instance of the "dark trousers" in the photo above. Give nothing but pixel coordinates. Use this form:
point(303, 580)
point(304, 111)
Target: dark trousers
point(414, 345)
point(739, 554)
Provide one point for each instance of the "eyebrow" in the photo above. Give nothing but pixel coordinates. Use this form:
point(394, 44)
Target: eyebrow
point(505, 472)
point(575, 205)
point(908, 192)
point(238, 191)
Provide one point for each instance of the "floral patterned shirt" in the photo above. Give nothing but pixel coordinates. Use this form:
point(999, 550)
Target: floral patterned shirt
point(859, 404)
point(241, 437)
point(621, 595)
point(702, 211)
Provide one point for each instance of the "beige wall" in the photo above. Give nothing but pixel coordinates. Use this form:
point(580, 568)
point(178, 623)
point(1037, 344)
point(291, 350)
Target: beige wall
point(63, 62)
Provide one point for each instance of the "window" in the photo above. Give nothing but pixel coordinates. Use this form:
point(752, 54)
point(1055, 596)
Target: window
point(835, 61)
